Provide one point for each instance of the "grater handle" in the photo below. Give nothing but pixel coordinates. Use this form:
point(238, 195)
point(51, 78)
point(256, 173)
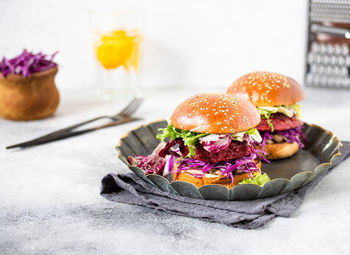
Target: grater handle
point(336, 31)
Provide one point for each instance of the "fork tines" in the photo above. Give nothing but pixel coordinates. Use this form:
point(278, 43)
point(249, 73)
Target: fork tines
point(131, 107)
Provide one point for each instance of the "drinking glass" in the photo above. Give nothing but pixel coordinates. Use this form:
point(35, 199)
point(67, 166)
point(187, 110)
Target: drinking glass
point(117, 39)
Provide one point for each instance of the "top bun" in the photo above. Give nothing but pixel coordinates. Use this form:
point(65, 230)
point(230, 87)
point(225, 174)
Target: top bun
point(267, 89)
point(215, 113)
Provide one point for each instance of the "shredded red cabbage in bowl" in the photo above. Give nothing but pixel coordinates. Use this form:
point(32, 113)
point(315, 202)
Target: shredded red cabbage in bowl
point(229, 167)
point(292, 135)
point(27, 63)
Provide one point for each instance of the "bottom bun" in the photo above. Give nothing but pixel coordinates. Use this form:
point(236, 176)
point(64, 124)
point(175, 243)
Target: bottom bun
point(211, 179)
point(280, 150)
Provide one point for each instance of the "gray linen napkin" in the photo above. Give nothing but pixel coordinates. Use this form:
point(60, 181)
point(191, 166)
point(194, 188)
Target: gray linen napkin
point(130, 189)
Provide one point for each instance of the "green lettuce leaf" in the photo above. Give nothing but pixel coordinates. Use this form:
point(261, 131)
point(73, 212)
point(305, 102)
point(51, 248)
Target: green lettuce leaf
point(254, 135)
point(266, 114)
point(259, 179)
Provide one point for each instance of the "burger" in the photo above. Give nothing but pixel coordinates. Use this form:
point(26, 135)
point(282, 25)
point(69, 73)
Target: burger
point(276, 97)
point(210, 140)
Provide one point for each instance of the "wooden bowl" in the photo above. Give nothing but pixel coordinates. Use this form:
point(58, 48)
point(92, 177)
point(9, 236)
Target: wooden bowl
point(29, 98)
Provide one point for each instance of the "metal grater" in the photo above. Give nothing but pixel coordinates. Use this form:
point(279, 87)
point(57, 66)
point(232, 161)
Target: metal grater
point(328, 45)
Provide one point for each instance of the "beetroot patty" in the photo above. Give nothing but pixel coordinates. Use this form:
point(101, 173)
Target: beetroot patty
point(233, 151)
point(280, 122)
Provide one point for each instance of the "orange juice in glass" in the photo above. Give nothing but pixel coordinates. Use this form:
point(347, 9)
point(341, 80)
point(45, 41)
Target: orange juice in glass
point(117, 47)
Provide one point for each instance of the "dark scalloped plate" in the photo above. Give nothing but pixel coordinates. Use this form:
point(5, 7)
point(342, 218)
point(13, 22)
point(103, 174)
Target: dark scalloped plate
point(288, 174)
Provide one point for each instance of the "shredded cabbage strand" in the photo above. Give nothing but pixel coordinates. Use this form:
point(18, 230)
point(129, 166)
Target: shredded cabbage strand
point(27, 63)
point(292, 135)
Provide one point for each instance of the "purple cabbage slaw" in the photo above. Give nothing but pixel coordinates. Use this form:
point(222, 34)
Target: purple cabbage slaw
point(169, 165)
point(215, 143)
point(27, 63)
point(244, 164)
point(152, 164)
point(162, 161)
point(292, 135)
point(168, 148)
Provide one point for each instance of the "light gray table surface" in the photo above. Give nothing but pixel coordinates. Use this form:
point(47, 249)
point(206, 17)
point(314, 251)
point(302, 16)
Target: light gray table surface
point(50, 202)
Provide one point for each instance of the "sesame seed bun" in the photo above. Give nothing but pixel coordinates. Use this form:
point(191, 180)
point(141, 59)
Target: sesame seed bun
point(212, 179)
point(280, 150)
point(215, 113)
point(267, 89)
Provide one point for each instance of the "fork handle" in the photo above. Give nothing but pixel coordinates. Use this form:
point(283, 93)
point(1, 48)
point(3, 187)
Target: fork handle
point(52, 138)
point(69, 128)
point(49, 139)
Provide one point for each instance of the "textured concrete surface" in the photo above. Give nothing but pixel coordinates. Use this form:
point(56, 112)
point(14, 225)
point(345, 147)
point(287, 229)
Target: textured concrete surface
point(50, 203)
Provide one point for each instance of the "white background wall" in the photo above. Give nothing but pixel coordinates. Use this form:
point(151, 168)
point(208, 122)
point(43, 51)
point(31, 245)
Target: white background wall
point(200, 43)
